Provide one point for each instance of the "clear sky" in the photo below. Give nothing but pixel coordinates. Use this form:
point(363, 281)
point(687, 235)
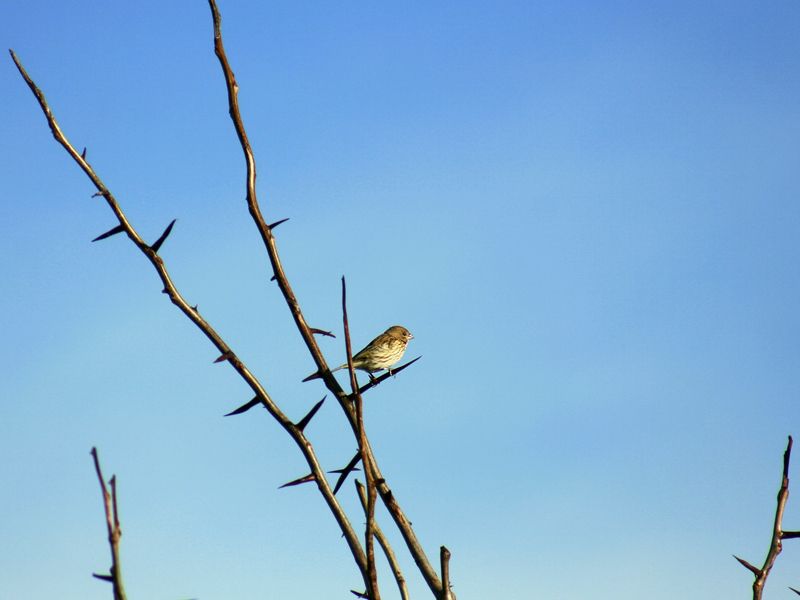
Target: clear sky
point(587, 213)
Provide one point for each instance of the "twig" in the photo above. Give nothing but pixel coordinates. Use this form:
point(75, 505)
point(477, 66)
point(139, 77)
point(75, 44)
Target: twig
point(387, 548)
point(113, 528)
point(227, 354)
point(778, 535)
point(369, 473)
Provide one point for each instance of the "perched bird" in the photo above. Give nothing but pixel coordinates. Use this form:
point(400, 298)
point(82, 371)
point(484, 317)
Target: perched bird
point(381, 353)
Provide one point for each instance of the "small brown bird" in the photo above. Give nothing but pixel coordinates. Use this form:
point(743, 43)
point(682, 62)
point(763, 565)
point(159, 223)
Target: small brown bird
point(381, 353)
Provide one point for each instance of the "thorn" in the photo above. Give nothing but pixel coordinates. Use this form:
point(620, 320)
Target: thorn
point(157, 244)
point(794, 590)
point(276, 223)
point(788, 535)
point(245, 407)
point(354, 469)
point(107, 578)
point(301, 425)
point(377, 380)
point(194, 308)
point(359, 594)
point(103, 193)
point(321, 332)
point(224, 356)
point(298, 481)
point(83, 154)
point(756, 571)
point(273, 278)
point(109, 233)
point(315, 375)
point(346, 471)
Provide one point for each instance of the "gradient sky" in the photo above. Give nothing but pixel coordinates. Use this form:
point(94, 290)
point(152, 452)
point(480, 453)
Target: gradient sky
point(587, 213)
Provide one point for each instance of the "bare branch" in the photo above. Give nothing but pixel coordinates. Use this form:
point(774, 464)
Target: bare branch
point(369, 473)
point(444, 559)
point(227, 354)
point(387, 548)
point(388, 498)
point(775, 546)
point(113, 529)
point(399, 517)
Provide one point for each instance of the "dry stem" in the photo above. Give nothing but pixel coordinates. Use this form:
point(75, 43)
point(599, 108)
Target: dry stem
point(113, 528)
point(778, 535)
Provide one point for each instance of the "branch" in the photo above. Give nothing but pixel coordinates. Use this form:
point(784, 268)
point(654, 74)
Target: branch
point(369, 473)
point(306, 332)
point(444, 559)
point(227, 354)
point(112, 526)
point(387, 549)
point(254, 208)
point(778, 535)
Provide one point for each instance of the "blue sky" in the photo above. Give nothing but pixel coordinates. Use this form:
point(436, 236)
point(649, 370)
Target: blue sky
point(586, 213)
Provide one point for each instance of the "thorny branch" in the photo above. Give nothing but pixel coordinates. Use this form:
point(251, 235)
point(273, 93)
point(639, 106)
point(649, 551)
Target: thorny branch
point(778, 535)
point(226, 353)
point(373, 591)
point(307, 333)
point(177, 299)
point(384, 543)
point(112, 525)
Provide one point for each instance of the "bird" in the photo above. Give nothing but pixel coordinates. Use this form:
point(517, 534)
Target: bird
point(381, 353)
